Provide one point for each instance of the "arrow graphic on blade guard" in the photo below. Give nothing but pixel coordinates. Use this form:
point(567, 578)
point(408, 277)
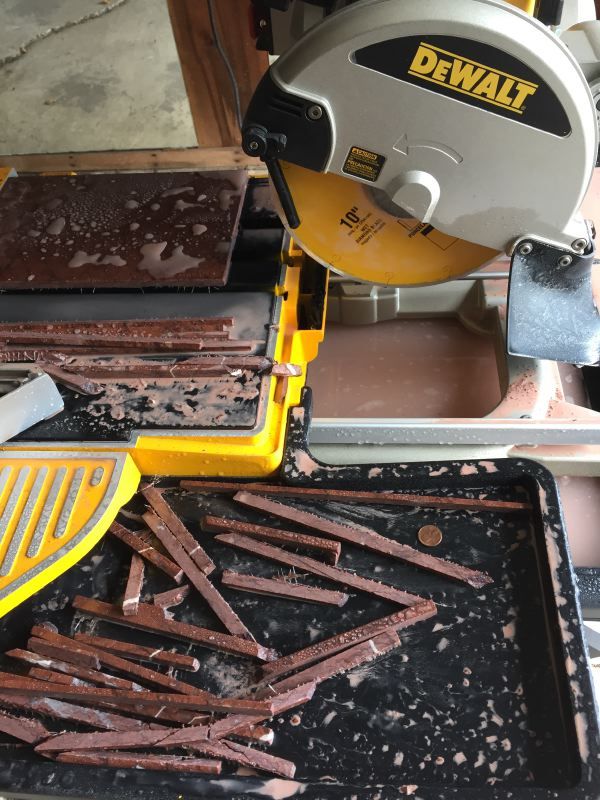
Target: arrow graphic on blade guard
point(404, 146)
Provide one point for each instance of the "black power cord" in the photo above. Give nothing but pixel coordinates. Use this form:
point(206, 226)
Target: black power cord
point(221, 50)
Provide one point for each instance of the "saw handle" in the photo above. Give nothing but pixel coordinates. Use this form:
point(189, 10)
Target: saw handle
point(258, 141)
point(283, 192)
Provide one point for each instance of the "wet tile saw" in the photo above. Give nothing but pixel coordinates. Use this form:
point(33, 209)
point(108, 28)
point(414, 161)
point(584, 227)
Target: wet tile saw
point(408, 143)
point(412, 142)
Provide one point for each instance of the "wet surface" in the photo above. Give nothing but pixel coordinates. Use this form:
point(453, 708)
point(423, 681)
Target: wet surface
point(467, 700)
point(108, 231)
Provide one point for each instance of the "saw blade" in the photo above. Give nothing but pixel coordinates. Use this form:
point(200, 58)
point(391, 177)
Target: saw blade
point(344, 228)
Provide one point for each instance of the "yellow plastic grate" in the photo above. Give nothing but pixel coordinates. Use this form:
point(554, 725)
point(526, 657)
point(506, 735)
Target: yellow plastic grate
point(53, 509)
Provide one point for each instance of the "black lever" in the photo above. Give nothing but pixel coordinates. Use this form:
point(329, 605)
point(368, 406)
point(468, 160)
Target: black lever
point(257, 141)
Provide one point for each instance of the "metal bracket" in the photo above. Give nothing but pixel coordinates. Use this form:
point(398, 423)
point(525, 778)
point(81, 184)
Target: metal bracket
point(27, 396)
point(551, 308)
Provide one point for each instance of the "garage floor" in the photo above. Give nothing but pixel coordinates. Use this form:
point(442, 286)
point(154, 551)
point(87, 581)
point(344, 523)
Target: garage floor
point(87, 75)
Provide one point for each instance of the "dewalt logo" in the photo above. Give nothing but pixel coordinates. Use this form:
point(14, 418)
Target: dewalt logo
point(469, 77)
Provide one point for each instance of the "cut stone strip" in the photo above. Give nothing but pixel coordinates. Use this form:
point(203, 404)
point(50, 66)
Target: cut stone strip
point(148, 552)
point(200, 702)
point(82, 673)
point(26, 730)
point(142, 761)
point(165, 513)
point(342, 641)
point(306, 564)
point(329, 549)
point(69, 712)
point(150, 618)
point(366, 538)
point(342, 662)
point(272, 587)
point(73, 650)
point(349, 496)
point(140, 653)
point(197, 578)
point(135, 581)
point(172, 597)
point(174, 737)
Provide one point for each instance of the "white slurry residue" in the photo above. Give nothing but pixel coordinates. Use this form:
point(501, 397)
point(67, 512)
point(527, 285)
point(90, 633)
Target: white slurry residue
point(480, 759)
point(581, 727)
point(459, 758)
point(178, 190)
point(442, 644)
point(570, 665)
point(488, 466)
point(158, 267)
point(181, 205)
point(468, 469)
point(374, 472)
point(398, 759)
point(328, 718)
point(437, 472)
point(508, 631)
point(81, 257)
point(198, 229)
point(495, 718)
point(280, 789)
point(56, 226)
point(506, 745)
point(131, 204)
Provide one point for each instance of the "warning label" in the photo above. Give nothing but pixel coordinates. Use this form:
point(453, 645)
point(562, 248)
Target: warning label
point(363, 164)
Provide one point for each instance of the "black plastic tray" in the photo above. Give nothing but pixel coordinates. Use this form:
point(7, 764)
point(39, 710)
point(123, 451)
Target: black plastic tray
point(490, 699)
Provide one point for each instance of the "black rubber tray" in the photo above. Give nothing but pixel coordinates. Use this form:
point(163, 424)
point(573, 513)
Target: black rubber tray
point(490, 699)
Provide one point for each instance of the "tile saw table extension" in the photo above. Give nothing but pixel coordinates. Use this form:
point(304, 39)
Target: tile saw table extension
point(407, 144)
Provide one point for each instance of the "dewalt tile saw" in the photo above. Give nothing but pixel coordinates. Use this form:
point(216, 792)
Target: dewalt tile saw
point(411, 141)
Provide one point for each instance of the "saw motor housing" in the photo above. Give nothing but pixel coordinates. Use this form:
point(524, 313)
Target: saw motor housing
point(467, 122)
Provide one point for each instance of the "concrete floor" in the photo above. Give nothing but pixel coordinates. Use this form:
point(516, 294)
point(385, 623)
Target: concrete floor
point(86, 75)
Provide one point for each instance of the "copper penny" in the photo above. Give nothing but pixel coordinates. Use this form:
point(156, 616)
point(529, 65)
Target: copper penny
point(429, 535)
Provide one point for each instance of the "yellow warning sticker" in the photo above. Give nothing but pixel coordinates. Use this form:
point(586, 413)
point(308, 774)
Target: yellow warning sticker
point(363, 164)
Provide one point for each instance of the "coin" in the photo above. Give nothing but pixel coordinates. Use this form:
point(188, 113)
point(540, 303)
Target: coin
point(429, 535)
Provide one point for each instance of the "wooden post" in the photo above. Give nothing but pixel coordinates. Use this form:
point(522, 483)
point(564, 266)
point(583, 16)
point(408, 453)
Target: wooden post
point(208, 84)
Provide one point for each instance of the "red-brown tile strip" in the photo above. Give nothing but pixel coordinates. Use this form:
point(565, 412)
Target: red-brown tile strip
point(342, 641)
point(366, 538)
point(247, 756)
point(174, 737)
point(26, 730)
point(78, 383)
point(138, 652)
point(327, 548)
point(197, 578)
point(151, 618)
point(70, 712)
point(142, 761)
point(342, 662)
point(166, 514)
point(146, 550)
point(349, 496)
point(41, 674)
point(133, 589)
point(257, 733)
point(199, 702)
point(337, 574)
point(281, 589)
point(81, 673)
point(172, 597)
point(142, 674)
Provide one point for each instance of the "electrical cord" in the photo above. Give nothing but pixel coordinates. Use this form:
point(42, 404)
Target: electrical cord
point(226, 62)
